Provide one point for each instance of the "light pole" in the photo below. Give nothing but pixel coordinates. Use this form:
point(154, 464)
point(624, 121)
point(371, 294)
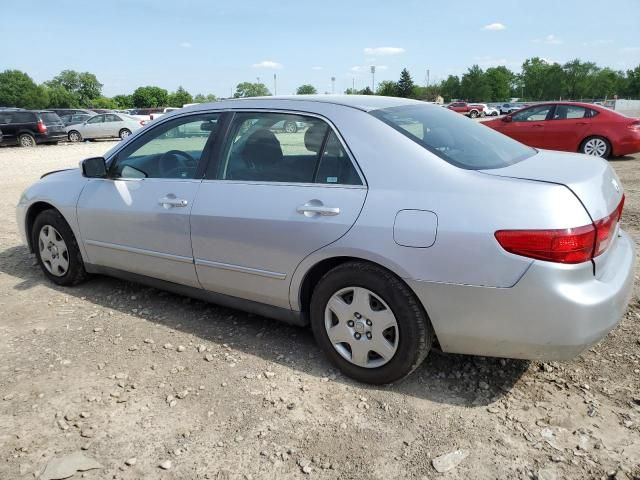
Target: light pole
point(373, 78)
point(275, 84)
point(333, 85)
point(427, 77)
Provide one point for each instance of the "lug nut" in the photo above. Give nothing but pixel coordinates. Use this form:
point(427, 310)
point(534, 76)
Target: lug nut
point(350, 323)
point(369, 335)
point(357, 315)
point(356, 336)
point(369, 322)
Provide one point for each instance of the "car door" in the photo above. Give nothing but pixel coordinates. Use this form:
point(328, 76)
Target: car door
point(529, 125)
point(112, 125)
point(137, 219)
point(567, 128)
point(93, 127)
point(272, 199)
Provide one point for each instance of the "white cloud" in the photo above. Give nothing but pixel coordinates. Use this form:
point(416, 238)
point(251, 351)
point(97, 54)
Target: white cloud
point(631, 49)
point(316, 68)
point(185, 44)
point(268, 64)
point(383, 51)
point(494, 27)
point(550, 39)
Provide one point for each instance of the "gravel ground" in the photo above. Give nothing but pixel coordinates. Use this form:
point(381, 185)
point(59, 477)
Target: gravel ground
point(144, 384)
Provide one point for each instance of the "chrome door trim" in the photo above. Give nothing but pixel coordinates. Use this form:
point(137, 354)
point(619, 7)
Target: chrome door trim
point(285, 184)
point(241, 269)
point(140, 251)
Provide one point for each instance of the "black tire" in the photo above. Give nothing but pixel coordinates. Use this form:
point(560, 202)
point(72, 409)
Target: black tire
point(76, 272)
point(124, 133)
point(587, 148)
point(414, 328)
point(26, 140)
point(473, 114)
point(74, 136)
point(290, 127)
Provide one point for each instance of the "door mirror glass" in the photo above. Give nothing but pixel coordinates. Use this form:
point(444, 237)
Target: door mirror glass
point(95, 167)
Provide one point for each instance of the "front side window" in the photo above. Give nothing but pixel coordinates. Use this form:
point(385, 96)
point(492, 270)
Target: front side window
point(533, 114)
point(170, 150)
point(454, 138)
point(96, 119)
point(261, 148)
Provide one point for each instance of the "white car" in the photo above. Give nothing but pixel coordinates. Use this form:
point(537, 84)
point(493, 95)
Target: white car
point(105, 125)
point(491, 111)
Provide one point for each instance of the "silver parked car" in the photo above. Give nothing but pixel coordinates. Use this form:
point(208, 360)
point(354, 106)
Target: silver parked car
point(387, 225)
point(105, 125)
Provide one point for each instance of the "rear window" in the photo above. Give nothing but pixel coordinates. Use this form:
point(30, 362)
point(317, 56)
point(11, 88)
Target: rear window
point(49, 118)
point(456, 139)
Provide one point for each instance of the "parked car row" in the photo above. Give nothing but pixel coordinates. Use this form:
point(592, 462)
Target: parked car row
point(28, 128)
point(106, 125)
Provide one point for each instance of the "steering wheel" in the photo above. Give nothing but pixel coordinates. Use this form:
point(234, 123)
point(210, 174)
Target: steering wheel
point(174, 162)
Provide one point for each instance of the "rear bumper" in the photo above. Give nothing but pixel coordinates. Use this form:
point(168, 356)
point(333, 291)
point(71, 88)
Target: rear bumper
point(627, 146)
point(552, 313)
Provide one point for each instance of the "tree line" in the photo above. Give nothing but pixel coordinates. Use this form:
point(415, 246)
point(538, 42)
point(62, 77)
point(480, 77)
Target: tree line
point(537, 80)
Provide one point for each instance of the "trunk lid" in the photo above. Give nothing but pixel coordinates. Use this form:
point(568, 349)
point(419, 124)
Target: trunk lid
point(591, 179)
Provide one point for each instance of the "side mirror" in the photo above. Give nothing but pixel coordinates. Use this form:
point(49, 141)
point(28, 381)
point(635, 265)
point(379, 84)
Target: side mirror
point(94, 167)
point(507, 119)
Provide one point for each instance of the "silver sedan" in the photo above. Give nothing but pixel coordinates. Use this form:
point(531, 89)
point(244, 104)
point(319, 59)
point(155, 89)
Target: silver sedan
point(387, 225)
point(106, 125)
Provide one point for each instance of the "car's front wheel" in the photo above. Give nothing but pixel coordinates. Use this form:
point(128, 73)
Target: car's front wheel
point(369, 323)
point(56, 249)
point(74, 136)
point(124, 133)
point(473, 114)
point(290, 127)
point(26, 140)
point(596, 146)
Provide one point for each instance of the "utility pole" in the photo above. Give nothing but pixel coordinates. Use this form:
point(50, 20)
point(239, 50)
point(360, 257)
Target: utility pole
point(427, 77)
point(373, 78)
point(275, 84)
point(333, 85)
point(353, 86)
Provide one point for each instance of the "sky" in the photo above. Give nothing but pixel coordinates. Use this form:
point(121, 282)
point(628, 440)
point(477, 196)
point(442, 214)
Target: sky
point(211, 46)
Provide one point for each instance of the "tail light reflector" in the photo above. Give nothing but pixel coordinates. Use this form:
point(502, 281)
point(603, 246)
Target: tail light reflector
point(42, 128)
point(635, 126)
point(569, 245)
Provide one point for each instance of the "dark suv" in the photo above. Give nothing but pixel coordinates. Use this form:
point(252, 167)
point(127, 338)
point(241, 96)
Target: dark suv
point(30, 127)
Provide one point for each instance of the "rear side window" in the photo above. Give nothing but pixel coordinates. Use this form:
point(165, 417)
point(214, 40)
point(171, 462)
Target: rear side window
point(23, 117)
point(275, 147)
point(454, 138)
point(570, 112)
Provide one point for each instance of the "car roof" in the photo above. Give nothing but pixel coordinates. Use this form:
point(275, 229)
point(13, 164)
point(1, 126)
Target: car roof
point(361, 102)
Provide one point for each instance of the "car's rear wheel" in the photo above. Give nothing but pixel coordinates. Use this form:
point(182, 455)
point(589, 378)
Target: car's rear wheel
point(369, 323)
point(473, 114)
point(596, 146)
point(74, 136)
point(56, 249)
point(124, 133)
point(290, 127)
point(26, 140)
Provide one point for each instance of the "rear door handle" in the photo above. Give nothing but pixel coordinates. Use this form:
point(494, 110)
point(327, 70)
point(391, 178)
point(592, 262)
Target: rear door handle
point(313, 209)
point(171, 201)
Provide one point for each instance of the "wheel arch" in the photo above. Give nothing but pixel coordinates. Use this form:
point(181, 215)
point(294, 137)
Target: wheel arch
point(592, 135)
point(33, 211)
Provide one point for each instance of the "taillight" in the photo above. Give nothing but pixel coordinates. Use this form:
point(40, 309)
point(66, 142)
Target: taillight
point(635, 126)
point(569, 245)
point(42, 128)
point(142, 123)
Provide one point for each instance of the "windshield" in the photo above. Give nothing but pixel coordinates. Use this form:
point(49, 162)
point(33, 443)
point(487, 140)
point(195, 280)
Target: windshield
point(456, 139)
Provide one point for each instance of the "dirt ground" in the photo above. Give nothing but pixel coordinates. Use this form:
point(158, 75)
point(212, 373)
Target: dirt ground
point(135, 378)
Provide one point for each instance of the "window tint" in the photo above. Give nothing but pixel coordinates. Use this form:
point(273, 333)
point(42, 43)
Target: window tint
point(568, 112)
point(96, 119)
point(23, 117)
point(50, 118)
point(171, 150)
point(454, 138)
point(335, 165)
point(533, 114)
point(112, 118)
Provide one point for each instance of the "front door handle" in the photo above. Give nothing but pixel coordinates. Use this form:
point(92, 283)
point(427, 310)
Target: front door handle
point(315, 208)
point(171, 201)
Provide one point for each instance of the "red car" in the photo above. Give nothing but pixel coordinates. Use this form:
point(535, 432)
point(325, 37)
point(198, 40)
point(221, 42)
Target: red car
point(572, 127)
point(472, 110)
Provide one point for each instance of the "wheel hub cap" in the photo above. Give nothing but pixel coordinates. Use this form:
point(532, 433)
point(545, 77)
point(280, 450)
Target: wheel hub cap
point(54, 254)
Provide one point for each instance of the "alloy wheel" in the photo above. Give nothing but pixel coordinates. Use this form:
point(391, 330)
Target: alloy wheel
point(53, 251)
point(361, 327)
point(74, 137)
point(27, 141)
point(595, 146)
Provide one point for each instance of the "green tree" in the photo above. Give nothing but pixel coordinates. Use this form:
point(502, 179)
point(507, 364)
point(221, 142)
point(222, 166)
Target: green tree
point(84, 85)
point(248, 89)
point(17, 89)
point(541, 80)
point(450, 88)
point(366, 91)
point(429, 93)
point(387, 88)
point(61, 97)
point(150, 96)
point(607, 83)
point(405, 84)
point(500, 81)
point(306, 89)
point(104, 102)
point(179, 98)
point(200, 98)
point(123, 101)
point(579, 78)
point(632, 88)
point(474, 86)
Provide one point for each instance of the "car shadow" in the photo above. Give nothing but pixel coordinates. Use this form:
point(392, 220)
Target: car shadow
point(461, 380)
point(624, 158)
